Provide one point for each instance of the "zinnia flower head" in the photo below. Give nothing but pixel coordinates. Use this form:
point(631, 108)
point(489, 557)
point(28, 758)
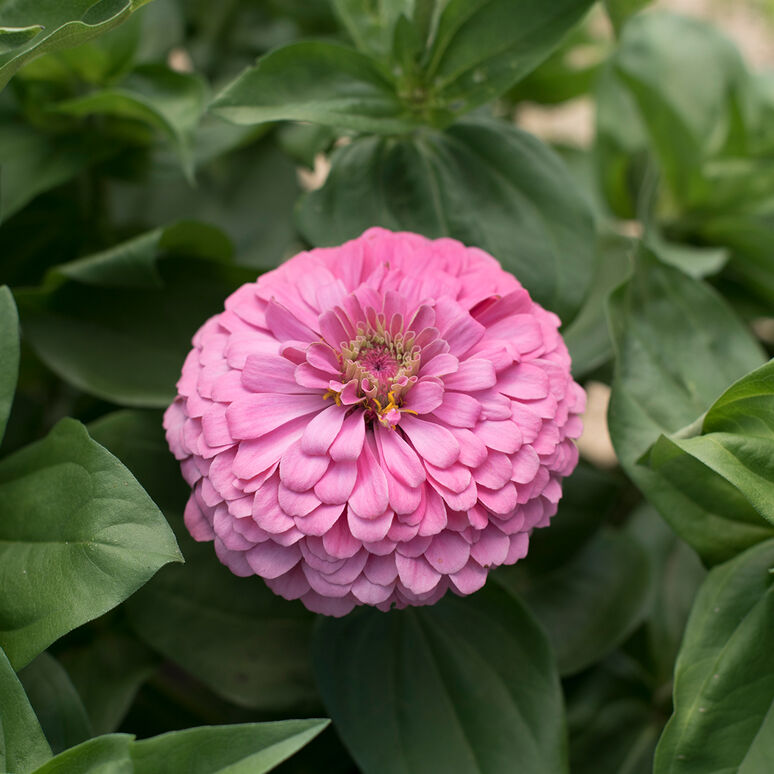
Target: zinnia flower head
point(375, 423)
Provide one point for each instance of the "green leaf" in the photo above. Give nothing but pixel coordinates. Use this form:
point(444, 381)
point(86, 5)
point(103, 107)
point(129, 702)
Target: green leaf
point(9, 354)
point(34, 161)
point(483, 47)
point(589, 604)
point(119, 324)
point(250, 748)
point(678, 573)
point(483, 182)
point(63, 24)
point(620, 10)
point(371, 23)
point(724, 677)
point(13, 37)
point(325, 83)
point(166, 100)
point(463, 685)
point(678, 346)
point(587, 337)
point(23, 747)
point(103, 755)
point(56, 703)
point(77, 536)
point(684, 76)
point(107, 672)
point(241, 640)
point(736, 446)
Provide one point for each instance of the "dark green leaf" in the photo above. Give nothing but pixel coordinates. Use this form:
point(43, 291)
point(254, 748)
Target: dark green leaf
point(237, 637)
point(724, 678)
point(325, 83)
point(591, 603)
point(56, 703)
point(119, 324)
point(33, 161)
point(678, 346)
point(9, 354)
point(166, 100)
point(371, 23)
point(103, 755)
point(683, 75)
point(464, 685)
point(733, 455)
point(22, 745)
point(678, 573)
point(483, 47)
point(64, 24)
point(77, 536)
point(587, 337)
point(107, 672)
point(251, 748)
point(482, 182)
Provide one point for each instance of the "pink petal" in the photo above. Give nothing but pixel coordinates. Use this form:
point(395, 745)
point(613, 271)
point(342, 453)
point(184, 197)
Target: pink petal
point(255, 415)
point(448, 553)
point(300, 471)
point(524, 381)
point(270, 373)
point(236, 561)
point(473, 450)
point(435, 516)
point(457, 501)
point(338, 541)
point(501, 436)
point(321, 432)
point(323, 358)
point(433, 442)
point(417, 575)
point(196, 522)
point(399, 458)
point(469, 579)
point(371, 593)
point(337, 484)
point(495, 471)
point(255, 456)
point(456, 477)
point(286, 326)
point(381, 569)
point(369, 498)
point(525, 465)
point(492, 547)
point(291, 585)
point(369, 530)
point(424, 396)
point(320, 520)
point(474, 374)
point(518, 548)
point(440, 365)
point(402, 499)
point(349, 441)
point(501, 500)
point(328, 605)
point(270, 560)
point(458, 410)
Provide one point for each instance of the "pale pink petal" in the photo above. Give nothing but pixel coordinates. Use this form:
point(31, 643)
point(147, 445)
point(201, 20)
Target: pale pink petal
point(491, 548)
point(417, 575)
point(270, 373)
point(320, 520)
point(474, 374)
point(300, 471)
point(349, 441)
point(369, 498)
point(448, 553)
point(337, 484)
point(433, 442)
point(270, 560)
point(255, 415)
point(400, 459)
point(425, 396)
point(458, 410)
point(322, 430)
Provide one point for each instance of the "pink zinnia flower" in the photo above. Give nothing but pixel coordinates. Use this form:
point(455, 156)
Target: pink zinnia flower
point(376, 423)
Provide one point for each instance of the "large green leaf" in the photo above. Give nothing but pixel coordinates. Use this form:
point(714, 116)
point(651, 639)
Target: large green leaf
point(119, 324)
point(102, 755)
point(620, 10)
point(463, 685)
point(736, 445)
point(34, 161)
point(371, 23)
point(678, 347)
point(169, 101)
point(56, 703)
point(724, 678)
point(237, 637)
point(483, 182)
point(77, 536)
point(9, 354)
point(690, 84)
point(250, 748)
point(107, 673)
point(23, 747)
point(480, 48)
point(591, 603)
point(32, 29)
point(324, 83)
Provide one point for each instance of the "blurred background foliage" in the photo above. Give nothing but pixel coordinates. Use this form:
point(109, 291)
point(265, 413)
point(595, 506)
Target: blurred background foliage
point(638, 158)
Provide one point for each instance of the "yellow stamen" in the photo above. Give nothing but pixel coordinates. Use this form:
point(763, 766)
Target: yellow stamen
point(333, 394)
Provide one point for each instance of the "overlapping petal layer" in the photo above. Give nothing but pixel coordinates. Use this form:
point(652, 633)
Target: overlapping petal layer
point(376, 423)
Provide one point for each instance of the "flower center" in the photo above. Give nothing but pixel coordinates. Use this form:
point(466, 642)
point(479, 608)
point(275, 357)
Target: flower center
point(384, 365)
